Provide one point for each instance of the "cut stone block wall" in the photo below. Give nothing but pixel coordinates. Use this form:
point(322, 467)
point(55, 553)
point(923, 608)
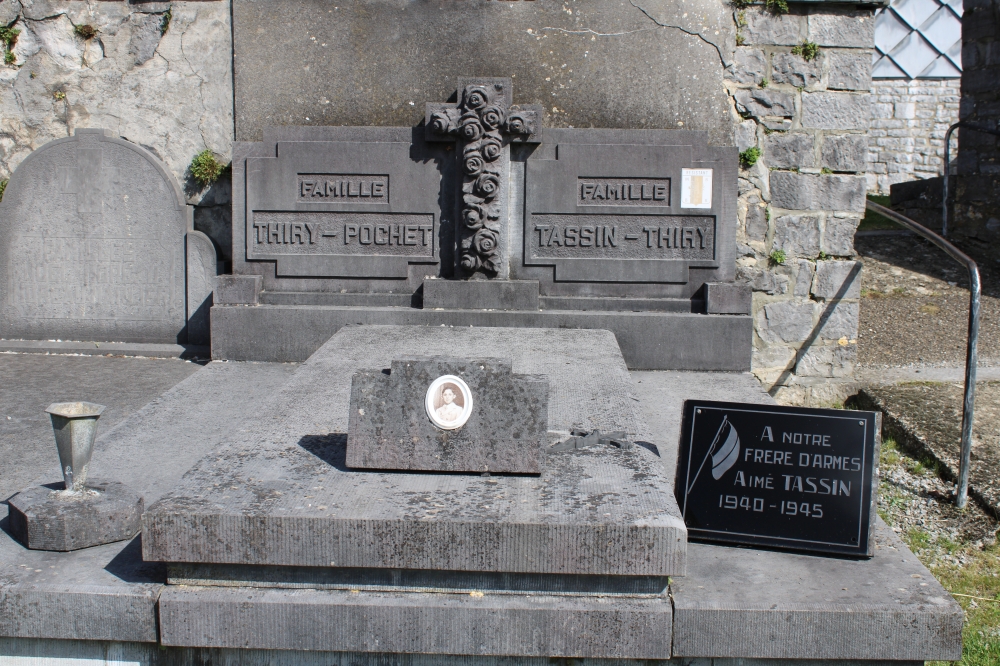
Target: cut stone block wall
point(909, 121)
point(802, 200)
point(156, 73)
point(976, 211)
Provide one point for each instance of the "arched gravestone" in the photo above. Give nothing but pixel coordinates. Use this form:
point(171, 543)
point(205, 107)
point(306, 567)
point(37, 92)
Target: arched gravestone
point(93, 245)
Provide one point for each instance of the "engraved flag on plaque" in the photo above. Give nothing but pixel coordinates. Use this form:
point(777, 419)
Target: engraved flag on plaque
point(784, 477)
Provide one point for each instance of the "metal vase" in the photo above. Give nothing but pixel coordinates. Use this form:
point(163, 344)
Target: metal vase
point(75, 427)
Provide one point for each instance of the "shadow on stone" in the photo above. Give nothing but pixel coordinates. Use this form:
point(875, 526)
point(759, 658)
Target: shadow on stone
point(129, 566)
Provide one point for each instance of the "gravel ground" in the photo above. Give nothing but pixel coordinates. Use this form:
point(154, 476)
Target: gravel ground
point(915, 305)
point(920, 507)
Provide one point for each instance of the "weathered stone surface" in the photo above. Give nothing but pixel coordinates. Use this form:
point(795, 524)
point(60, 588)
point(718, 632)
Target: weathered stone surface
point(749, 66)
point(797, 235)
point(850, 29)
point(796, 70)
point(767, 28)
point(838, 235)
point(836, 110)
point(850, 71)
point(430, 45)
point(389, 427)
point(762, 279)
point(481, 294)
point(237, 290)
point(848, 152)
point(804, 271)
point(746, 134)
point(837, 279)
point(202, 267)
point(125, 282)
point(176, 103)
point(756, 223)
point(760, 102)
point(629, 526)
point(834, 360)
point(785, 321)
point(43, 518)
point(799, 191)
point(839, 320)
point(725, 298)
point(791, 150)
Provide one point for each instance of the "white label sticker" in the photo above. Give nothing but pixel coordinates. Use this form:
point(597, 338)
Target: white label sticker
point(696, 188)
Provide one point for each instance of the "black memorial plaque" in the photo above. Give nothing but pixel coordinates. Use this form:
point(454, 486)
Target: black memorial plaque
point(785, 477)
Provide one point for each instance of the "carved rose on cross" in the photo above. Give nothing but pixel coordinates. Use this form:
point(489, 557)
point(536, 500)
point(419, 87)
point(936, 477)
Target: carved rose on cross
point(473, 162)
point(440, 122)
point(518, 123)
point(476, 97)
point(487, 185)
point(492, 116)
point(485, 241)
point(469, 127)
point(474, 216)
point(470, 262)
point(491, 148)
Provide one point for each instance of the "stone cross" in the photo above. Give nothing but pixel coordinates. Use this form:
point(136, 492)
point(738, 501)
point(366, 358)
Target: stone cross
point(484, 123)
point(89, 180)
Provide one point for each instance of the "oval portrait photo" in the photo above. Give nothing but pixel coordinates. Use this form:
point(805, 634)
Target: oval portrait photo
point(449, 402)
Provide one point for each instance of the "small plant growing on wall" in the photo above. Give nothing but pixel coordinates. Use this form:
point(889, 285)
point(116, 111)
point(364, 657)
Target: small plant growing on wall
point(3, 186)
point(165, 23)
point(85, 31)
point(205, 168)
point(749, 157)
point(778, 257)
point(8, 38)
point(777, 6)
point(808, 50)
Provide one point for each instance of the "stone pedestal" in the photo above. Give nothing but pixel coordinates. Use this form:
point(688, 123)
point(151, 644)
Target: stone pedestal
point(103, 512)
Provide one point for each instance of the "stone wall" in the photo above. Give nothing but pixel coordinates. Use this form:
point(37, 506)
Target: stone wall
point(909, 121)
point(157, 73)
point(976, 212)
point(802, 200)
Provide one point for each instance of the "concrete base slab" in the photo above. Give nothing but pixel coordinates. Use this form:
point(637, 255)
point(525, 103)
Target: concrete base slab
point(470, 624)
point(44, 518)
point(282, 495)
point(648, 340)
point(108, 592)
point(481, 294)
point(888, 607)
point(150, 350)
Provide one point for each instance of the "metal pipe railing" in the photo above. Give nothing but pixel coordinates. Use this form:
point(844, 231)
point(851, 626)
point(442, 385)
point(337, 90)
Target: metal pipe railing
point(946, 180)
point(971, 356)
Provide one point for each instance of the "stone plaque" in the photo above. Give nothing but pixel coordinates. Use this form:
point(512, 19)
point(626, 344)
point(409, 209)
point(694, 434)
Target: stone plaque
point(623, 212)
point(448, 414)
point(343, 208)
point(785, 477)
point(93, 246)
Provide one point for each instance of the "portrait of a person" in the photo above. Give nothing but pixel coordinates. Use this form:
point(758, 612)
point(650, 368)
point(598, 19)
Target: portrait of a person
point(450, 410)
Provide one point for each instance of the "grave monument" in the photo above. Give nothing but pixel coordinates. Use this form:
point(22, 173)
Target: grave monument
point(481, 216)
point(98, 245)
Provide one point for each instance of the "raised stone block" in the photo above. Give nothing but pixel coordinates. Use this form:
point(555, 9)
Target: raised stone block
point(837, 279)
point(797, 235)
point(847, 29)
point(237, 290)
point(481, 294)
point(801, 191)
point(767, 28)
point(448, 414)
point(796, 70)
point(836, 110)
point(727, 298)
point(850, 71)
point(761, 102)
point(786, 151)
point(749, 66)
point(845, 153)
point(42, 518)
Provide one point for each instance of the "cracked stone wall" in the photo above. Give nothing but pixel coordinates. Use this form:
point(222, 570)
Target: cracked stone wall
point(157, 73)
point(802, 200)
point(909, 121)
point(976, 211)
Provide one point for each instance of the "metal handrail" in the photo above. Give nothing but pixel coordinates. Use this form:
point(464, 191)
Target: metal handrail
point(971, 357)
point(946, 180)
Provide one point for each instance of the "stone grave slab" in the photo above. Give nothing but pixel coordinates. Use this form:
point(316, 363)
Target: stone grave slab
point(94, 244)
point(282, 494)
point(497, 421)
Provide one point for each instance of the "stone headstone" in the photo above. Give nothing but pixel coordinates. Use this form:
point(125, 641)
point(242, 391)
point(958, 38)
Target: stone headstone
point(448, 414)
point(93, 245)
